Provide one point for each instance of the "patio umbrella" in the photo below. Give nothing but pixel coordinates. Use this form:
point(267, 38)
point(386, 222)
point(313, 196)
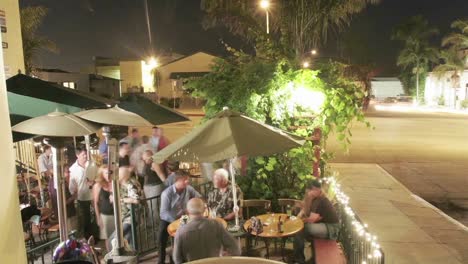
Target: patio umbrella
point(229, 134)
point(155, 113)
point(33, 87)
point(119, 117)
point(58, 125)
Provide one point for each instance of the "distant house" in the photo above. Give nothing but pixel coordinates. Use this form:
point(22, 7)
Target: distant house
point(98, 84)
point(171, 71)
point(383, 87)
point(448, 89)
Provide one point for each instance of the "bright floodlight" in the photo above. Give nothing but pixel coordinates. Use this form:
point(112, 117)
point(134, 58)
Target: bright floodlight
point(305, 64)
point(265, 4)
point(152, 62)
point(313, 52)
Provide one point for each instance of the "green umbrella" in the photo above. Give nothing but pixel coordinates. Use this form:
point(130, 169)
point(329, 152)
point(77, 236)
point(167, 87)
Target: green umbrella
point(229, 134)
point(155, 113)
point(33, 87)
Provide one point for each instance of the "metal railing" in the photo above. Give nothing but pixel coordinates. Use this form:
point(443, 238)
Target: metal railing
point(358, 245)
point(37, 254)
point(145, 225)
point(145, 221)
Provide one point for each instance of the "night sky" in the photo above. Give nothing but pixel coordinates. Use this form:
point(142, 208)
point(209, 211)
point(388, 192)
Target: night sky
point(117, 28)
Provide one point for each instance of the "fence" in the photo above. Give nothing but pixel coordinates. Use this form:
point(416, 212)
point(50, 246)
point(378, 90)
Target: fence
point(38, 253)
point(359, 246)
point(145, 221)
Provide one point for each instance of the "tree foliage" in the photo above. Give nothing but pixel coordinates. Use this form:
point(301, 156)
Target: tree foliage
point(269, 91)
point(31, 20)
point(417, 54)
point(301, 24)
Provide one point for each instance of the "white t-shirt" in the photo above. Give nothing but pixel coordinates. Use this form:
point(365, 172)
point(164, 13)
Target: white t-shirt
point(45, 163)
point(78, 183)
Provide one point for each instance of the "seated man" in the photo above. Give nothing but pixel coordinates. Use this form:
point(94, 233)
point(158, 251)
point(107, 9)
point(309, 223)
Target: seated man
point(220, 199)
point(202, 237)
point(320, 219)
point(173, 204)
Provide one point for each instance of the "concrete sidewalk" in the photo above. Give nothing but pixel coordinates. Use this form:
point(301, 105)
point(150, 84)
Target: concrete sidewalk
point(409, 229)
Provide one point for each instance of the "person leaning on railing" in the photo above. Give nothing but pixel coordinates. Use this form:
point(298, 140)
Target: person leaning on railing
point(130, 194)
point(320, 219)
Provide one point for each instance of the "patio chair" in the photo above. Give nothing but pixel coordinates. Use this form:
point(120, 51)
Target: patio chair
point(296, 205)
point(261, 206)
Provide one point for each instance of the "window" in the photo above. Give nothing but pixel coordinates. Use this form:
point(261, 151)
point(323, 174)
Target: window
point(71, 85)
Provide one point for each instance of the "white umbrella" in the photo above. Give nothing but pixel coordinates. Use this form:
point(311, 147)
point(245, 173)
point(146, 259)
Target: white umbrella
point(58, 125)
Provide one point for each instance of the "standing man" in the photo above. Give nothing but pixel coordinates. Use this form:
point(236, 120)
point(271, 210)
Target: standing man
point(136, 159)
point(173, 204)
point(153, 185)
point(215, 237)
point(320, 219)
point(133, 139)
point(158, 141)
point(124, 154)
point(46, 167)
point(80, 187)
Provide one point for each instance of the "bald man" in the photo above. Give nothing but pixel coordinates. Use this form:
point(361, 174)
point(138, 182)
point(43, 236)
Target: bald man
point(202, 237)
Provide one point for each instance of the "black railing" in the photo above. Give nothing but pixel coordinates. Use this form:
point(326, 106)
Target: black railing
point(145, 225)
point(37, 254)
point(145, 221)
point(359, 246)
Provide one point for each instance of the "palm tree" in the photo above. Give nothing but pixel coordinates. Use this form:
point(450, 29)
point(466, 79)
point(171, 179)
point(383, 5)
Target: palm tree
point(417, 52)
point(452, 62)
point(457, 40)
point(417, 57)
point(31, 19)
point(301, 24)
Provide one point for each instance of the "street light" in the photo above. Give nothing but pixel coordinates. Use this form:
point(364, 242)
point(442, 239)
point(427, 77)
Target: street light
point(152, 63)
point(305, 64)
point(265, 4)
point(313, 52)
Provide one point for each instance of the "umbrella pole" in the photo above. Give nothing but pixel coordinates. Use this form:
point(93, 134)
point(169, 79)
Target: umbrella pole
point(113, 167)
point(234, 194)
point(59, 184)
point(74, 142)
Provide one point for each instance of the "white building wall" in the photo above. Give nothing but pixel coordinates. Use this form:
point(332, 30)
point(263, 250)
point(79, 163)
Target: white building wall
point(12, 247)
point(442, 86)
point(11, 39)
point(386, 87)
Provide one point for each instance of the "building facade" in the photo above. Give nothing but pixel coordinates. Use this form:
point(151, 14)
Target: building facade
point(12, 44)
point(97, 84)
point(138, 76)
point(449, 89)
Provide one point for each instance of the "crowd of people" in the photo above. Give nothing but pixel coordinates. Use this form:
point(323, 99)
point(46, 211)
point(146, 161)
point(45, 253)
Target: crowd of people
point(89, 201)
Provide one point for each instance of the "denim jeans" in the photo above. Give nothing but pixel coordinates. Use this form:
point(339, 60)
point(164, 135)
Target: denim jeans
point(311, 230)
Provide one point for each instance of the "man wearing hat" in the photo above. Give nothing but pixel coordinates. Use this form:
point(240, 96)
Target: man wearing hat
point(320, 219)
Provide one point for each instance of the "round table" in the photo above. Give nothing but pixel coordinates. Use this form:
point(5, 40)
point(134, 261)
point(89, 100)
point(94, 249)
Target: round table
point(270, 228)
point(172, 228)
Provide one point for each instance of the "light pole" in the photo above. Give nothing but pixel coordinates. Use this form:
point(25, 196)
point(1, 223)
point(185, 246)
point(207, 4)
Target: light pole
point(265, 4)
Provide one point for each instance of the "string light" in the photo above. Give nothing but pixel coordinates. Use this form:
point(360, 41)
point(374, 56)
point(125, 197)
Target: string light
point(359, 228)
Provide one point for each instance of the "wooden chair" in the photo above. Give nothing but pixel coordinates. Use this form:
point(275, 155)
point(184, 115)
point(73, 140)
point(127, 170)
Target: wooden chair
point(296, 205)
point(261, 205)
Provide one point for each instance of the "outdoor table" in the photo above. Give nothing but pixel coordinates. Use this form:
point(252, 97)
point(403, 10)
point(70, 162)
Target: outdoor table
point(270, 228)
point(172, 228)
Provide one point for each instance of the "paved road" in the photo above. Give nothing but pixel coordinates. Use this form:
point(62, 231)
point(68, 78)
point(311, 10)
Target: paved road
point(427, 152)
